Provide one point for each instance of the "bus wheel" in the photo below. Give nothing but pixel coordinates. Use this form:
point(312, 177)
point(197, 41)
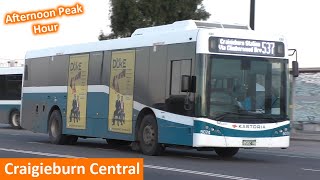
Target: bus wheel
point(55, 129)
point(226, 152)
point(148, 136)
point(14, 120)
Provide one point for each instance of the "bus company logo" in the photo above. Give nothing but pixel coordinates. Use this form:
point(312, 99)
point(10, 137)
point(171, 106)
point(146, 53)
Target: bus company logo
point(249, 126)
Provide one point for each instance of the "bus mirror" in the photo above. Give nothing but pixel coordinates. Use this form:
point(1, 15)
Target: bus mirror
point(295, 68)
point(193, 84)
point(185, 83)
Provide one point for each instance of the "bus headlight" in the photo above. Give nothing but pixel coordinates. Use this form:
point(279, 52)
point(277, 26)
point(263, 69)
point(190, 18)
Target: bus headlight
point(280, 131)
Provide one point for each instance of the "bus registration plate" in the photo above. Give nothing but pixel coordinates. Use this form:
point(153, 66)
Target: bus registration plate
point(248, 142)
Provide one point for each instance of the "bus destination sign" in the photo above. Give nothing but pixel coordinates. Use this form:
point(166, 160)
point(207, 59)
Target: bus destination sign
point(246, 46)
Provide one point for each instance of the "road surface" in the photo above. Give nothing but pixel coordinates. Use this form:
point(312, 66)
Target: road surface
point(300, 161)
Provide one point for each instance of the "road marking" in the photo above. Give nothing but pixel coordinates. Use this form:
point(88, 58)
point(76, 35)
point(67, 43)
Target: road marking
point(293, 156)
point(196, 172)
point(281, 155)
point(146, 165)
point(15, 134)
point(38, 153)
point(35, 143)
point(315, 170)
point(193, 157)
point(106, 149)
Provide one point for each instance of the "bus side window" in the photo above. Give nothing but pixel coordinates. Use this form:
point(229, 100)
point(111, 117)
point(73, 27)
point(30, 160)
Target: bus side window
point(26, 72)
point(2, 87)
point(14, 87)
point(95, 70)
point(178, 68)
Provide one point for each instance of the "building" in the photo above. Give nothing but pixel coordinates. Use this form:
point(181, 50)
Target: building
point(306, 97)
point(11, 63)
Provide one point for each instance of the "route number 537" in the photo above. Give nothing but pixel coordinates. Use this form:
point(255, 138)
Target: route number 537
point(267, 47)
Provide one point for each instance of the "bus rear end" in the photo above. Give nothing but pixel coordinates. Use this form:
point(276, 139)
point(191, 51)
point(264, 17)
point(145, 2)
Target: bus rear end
point(10, 95)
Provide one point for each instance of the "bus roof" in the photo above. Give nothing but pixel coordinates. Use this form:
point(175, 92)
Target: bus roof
point(177, 32)
point(11, 70)
point(186, 25)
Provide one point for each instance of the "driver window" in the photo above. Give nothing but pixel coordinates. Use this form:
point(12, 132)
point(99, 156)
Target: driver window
point(275, 88)
point(260, 91)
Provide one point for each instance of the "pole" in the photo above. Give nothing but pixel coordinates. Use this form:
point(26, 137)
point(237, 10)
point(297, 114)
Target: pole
point(252, 13)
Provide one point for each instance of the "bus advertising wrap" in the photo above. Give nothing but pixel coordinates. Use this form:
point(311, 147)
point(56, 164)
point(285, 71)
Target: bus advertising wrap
point(121, 91)
point(77, 91)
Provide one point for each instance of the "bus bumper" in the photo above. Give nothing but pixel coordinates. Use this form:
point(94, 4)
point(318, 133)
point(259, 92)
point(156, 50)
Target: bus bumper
point(204, 140)
point(210, 133)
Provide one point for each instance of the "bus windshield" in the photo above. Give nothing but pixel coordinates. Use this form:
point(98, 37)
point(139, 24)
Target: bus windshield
point(246, 89)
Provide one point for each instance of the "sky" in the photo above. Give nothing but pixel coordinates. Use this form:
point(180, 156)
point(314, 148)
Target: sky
point(293, 19)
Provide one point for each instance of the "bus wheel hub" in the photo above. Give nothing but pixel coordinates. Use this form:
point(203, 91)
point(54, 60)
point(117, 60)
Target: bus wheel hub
point(54, 129)
point(148, 135)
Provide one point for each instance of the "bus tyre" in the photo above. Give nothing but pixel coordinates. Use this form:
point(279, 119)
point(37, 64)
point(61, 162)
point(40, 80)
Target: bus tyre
point(148, 136)
point(14, 119)
point(226, 152)
point(55, 129)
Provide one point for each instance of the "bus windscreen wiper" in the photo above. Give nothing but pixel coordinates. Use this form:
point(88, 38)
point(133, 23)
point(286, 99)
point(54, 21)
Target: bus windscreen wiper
point(221, 116)
point(262, 115)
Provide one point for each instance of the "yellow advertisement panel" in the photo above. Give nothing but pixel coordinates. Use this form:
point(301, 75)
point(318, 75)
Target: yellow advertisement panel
point(77, 91)
point(121, 91)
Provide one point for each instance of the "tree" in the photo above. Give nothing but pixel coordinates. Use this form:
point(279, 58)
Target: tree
point(128, 15)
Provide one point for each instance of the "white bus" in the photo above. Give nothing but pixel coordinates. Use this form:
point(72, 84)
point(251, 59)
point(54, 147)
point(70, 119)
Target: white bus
point(10, 95)
point(207, 86)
